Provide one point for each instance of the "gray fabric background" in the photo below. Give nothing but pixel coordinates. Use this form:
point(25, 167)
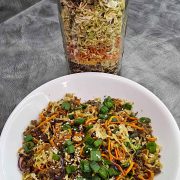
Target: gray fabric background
point(31, 51)
point(8, 8)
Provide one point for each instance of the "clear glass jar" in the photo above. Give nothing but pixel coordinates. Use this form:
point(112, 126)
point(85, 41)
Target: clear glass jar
point(93, 33)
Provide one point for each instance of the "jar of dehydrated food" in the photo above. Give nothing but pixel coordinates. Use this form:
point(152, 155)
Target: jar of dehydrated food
point(93, 33)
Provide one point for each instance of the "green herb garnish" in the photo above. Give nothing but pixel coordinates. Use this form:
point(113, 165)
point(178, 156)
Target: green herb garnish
point(151, 146)
point(56, 157)
point(66, 105)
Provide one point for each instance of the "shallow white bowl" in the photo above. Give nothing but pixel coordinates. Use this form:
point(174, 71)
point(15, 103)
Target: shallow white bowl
point(88, 86)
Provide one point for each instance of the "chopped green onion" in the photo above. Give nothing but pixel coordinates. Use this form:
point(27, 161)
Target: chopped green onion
point(28, 138)
point(66, 127)
point(133, 135)
point(70, 169)
point(144, 120)
point(85, 167)
point(127, 106)
point(102, 116)
point(108, 98)
point(127, 144)
point(106, 162)
point(26, 149)
point(84, 106)
point(68, 142)
point(89, 139)
point(103, 172)
point(113, 172)
point(71, 116)
point(87, 149)
point(66, 105)
point(151, 146)
point(94, 166)
point(56, 157)
point(95, 155)
point(86, 175)
point(80, 178)
point(108, 102)
point(104, 110)
point(79, 121)
point(96, 177)
point(97, 143)
point(89, 127)
point(75, 128)
point(71, 149)
point(28, 146)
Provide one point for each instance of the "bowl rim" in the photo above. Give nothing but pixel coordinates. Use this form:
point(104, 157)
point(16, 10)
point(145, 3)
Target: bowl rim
point(6, 127)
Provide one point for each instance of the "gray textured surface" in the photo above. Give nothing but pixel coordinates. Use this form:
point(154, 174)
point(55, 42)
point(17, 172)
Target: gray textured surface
point(31, 51)
point(9, 8)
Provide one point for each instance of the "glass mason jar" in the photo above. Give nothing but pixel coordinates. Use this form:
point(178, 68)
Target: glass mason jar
point(93, 33)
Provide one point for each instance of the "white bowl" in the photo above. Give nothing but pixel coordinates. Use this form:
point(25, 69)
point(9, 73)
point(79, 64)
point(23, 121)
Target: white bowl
point(88, 86)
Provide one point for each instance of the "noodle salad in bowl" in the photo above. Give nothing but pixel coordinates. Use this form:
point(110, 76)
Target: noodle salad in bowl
point(96, 139)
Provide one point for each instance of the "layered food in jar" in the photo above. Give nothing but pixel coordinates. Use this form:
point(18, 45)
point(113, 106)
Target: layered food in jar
point(93, 32)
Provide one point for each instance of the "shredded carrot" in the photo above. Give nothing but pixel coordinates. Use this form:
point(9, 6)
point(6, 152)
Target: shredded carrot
point(75, 115)
point(135, 165)
point(117, 155)
point(47, 120)
point(135, 126)
point(79, 134)
point(115, 122)
point(121, 155)
point(141, 177)
point(42, 117)
point(76, 145)
point(133, 118)
point(151, 139)
point(52, 142)
point(111, 156)
point(129, 168)
point(90, 120)
point(81, 151)
point(119, 177)
point(104, 155)
point(151, 175)
point(34, 139)
point(44, 130)
point(68, 136)
point(109, 149)
point(107, 128)
point(42, 167)
point(106, 124)
point(61, 112)
point(42, 147)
